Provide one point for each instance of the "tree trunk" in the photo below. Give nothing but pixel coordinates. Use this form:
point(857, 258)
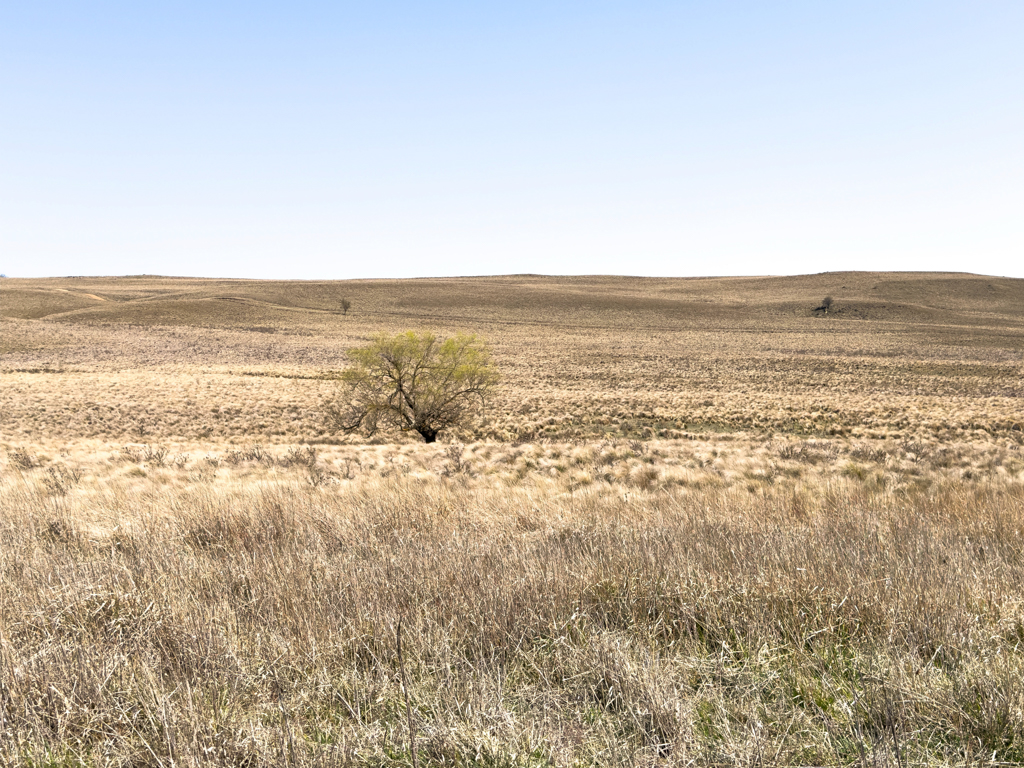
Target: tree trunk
point(429, 435)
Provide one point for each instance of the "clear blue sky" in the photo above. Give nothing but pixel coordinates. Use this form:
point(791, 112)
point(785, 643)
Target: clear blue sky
point(376, 139)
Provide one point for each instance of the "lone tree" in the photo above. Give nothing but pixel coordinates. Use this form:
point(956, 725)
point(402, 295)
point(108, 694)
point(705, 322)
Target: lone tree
point(413, 381)
point(826, 305)
point(345, 305)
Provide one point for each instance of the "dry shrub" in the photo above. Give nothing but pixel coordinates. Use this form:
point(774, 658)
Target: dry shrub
point(21, 458)
point(60, 479)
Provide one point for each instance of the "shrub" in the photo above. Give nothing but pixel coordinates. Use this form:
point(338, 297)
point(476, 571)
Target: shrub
point(413, 382)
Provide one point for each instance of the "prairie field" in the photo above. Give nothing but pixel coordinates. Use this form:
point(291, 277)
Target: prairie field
point(700, 523)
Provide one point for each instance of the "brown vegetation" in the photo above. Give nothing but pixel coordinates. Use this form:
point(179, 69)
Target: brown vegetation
point(700, 525)
point(910, 356)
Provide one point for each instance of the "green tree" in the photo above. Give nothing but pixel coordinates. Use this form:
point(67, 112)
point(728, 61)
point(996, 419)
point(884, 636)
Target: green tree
point(413, 382)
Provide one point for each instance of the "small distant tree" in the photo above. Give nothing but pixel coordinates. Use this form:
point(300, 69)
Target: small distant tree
point(345, 305)
point(826, 305)
point(412, 382)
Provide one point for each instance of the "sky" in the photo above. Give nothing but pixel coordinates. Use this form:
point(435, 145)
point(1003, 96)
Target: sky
point(316, 140)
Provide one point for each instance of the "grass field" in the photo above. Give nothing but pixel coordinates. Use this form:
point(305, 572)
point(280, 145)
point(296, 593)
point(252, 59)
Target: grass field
point(700, 524)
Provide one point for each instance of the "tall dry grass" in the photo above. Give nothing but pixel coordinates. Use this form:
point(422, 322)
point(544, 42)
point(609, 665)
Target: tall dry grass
point(834, 621)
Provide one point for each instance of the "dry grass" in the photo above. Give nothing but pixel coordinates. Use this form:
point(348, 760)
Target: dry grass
point(157, 618)
point(701, 527)
point(902, 356)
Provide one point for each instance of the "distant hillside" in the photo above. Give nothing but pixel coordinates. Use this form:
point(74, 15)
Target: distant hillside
point(902, 297)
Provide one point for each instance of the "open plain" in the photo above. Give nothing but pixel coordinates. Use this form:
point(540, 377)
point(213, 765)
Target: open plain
point(701, 523)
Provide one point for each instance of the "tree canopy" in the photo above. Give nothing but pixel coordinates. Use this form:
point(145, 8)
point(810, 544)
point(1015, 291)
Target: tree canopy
point(413, 382)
